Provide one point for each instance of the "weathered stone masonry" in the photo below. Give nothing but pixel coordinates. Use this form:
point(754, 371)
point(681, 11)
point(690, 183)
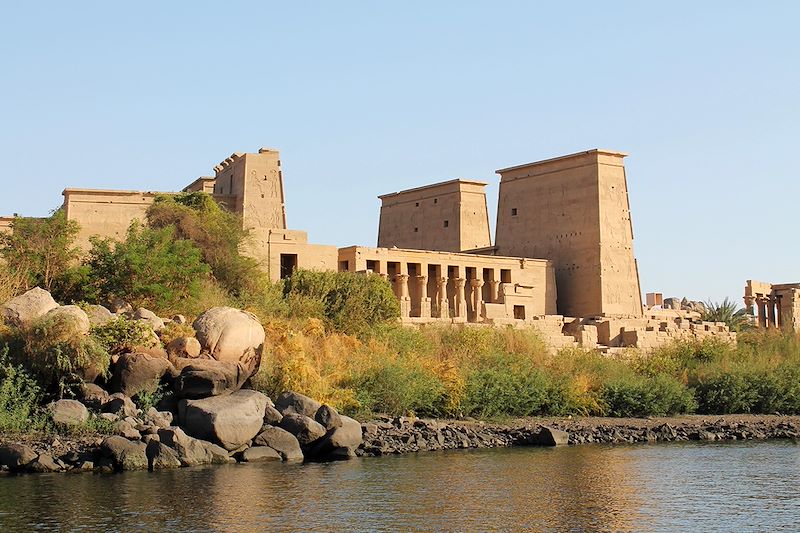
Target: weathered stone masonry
point(562, 261)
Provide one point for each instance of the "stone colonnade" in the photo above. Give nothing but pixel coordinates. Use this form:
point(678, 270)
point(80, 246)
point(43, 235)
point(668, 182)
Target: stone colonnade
point(441, 291)
point(769, 315)
point(774, 305)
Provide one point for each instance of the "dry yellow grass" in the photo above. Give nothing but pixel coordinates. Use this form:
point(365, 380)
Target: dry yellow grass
point(10, 285)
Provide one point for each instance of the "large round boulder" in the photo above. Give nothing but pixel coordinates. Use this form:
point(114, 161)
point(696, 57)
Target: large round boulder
point(70, 317)
point(281, 441)
point(149, 317)
point(68, 412)
point(16, 456)
point(339, 443)
point(307, 430)
point(99, 315)
point(231, 335)
point(25, 308)
point(125, 454)
point(187, 347)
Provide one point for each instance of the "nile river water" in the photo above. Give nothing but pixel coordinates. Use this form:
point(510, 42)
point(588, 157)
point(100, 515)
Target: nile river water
point(753, 486)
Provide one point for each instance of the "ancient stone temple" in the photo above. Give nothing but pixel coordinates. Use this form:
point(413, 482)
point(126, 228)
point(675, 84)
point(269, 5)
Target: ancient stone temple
point(250, 185)
point(774, 305)
point(574, 211)
point(451, 217)
point(562, 261)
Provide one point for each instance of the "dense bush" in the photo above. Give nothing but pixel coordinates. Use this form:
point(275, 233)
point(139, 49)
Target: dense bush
point(398, 385)
point(39, 251)
point(638, 395)
point(496, 372)
point(217, 233)
point(59, 358)
point(743, 390)
point(151, 268)
point(20, 397)
point(726, 392)
point(349, 303)
point(506, 385)
point(122, 335)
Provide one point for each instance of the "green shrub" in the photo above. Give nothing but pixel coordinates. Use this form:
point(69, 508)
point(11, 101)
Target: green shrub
point(147, 398)
point(398, 386)
point(643, 396)
point(744, 390)
point(502, 384)
point(218, 233)
point(58, 357)
point(726, 392)
point(347, 302)
point(152, 268)
point(38, 251)
point(404, 340)
point(122, 335)
point(20, 397)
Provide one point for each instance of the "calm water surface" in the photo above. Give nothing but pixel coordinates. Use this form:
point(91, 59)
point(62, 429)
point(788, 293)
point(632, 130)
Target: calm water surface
point(670, 487)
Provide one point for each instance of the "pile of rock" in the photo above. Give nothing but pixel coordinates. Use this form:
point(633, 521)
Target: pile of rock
point(208, 414)
point(389, 435)
point(713, 429)
point(243, 426)
point(684, 304)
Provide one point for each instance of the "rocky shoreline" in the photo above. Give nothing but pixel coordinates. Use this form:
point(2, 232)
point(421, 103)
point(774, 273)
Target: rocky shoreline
point(400, 435)
point(208, 413)
point(169, 447)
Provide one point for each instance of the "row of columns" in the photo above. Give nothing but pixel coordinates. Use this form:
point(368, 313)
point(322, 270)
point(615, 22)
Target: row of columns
point(769, 315)
point(776, 309)
point(466, 304)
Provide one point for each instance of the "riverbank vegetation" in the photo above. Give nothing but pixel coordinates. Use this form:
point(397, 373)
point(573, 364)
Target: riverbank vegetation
point(497, 372)
point(334, 336)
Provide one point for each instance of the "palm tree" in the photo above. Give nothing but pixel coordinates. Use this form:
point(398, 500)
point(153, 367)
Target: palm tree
point(737, 319)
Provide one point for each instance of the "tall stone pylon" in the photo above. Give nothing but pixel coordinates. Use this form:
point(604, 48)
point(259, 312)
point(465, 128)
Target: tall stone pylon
point(253, 184)
point(574, 210)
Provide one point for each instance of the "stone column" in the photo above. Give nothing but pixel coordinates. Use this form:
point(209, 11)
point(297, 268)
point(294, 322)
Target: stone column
point(494, 291)
point(477, 299)
point(441, 297)
point(424, 300)
point(771, 321)
point(762, 312)
point(460, 311)
point(401, 281)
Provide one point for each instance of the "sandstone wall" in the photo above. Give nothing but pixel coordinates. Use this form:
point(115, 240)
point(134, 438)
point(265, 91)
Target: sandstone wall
point(456, 287)
point(574, 211)
point(450, 216)
point(105, 213)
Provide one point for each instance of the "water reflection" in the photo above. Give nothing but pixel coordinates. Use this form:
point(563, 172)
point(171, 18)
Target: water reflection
point(597, 488)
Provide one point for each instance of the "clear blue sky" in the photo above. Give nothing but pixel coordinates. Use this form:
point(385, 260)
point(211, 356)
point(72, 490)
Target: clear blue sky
point(364, 98)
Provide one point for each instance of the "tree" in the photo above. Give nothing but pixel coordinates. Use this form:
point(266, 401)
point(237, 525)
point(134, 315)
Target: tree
point(728, 312)
point(40, 250)
point(218, 233)
point(151, 268)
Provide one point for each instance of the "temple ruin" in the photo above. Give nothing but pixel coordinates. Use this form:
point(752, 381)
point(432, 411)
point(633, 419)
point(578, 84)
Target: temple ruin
point(773, 305)
point(562, 261)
